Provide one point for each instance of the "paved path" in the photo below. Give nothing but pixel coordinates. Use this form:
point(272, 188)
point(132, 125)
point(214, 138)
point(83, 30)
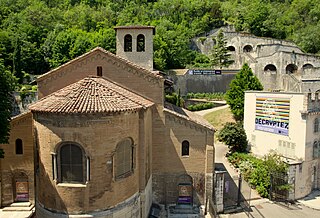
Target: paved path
point(312, 200)
point(204, 112)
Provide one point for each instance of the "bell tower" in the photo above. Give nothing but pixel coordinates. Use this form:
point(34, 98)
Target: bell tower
point(135, 43)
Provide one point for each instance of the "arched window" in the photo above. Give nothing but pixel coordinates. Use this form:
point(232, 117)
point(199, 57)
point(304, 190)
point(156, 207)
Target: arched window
point(140, 43)
point(291, 68)
point(231, 48)
point(247, 48)
point(124, 158)
point(185, 148)
point(270, 68)
point(128, 43)
point(19, 146)
point(72, 163)
point(315, 150)
point(307, 66)
point(316, 125)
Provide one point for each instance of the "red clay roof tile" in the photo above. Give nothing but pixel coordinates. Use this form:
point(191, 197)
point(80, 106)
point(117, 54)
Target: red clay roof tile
point(91, 95)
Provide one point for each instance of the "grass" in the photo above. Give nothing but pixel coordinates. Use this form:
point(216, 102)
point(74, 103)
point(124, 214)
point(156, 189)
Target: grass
point(219, 118)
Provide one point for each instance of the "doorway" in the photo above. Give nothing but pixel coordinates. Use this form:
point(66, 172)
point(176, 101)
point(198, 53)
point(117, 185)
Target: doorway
point(21, 188)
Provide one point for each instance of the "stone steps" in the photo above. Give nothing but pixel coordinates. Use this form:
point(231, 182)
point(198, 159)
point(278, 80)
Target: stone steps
point(19, 206)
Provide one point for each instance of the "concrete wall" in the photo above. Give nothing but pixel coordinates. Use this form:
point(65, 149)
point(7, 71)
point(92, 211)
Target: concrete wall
point(202, 83)
point(297, 147)
point(15, 166)
point(263, 142)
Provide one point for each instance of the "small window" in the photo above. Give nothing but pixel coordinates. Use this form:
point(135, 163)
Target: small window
point(316, 125)
point(185, 148)
point(247, 48)
point(128, 43)
point(140, 43)
point(315, 150)
point(124, 158)
point(99, 71)
point(19, 146)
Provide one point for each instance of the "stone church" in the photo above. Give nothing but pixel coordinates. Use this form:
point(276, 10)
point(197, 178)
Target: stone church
point(102, 142)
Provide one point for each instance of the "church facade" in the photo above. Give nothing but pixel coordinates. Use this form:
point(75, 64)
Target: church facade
point(102, 142)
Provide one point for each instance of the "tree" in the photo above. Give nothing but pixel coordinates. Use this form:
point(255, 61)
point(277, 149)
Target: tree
point(219, 56)
point(7, 85)
point(233, 135)
point(244, 80)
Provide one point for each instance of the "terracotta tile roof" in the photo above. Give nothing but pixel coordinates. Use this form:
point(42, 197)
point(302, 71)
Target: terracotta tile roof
point(187, 115)
point(91, 95)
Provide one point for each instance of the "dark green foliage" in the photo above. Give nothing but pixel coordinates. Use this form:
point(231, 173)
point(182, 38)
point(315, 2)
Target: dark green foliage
point(32, 32)
point(175, 99)
point(219, 55)
point(234, 135)
point(209, 96)
point(200, 106)
point(244, 80)
point(258, 171)
point(37, 35)
point(7, 85)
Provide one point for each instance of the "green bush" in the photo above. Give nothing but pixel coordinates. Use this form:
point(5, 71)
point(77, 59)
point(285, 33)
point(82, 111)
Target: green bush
point(175, 99)
point(258, 171)
point(233, 135)
point(200, 106)
point(209, 96)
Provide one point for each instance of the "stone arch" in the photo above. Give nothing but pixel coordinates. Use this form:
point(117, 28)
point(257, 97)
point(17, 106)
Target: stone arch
point(185, 178)
point(271, 68)
point(128, 43)
point(291, 68)
point(231, 48)
point(20, 180)
point(247, 48)
point(185, 189)
point(307, 66)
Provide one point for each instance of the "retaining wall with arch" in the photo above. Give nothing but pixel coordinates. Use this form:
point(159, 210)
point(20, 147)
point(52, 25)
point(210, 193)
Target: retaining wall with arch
point(279, 64)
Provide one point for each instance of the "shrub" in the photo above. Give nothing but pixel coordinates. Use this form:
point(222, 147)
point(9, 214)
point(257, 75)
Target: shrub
point(175, 99)
point(233, 135)
point(258, 171)
point(208, 96)
point(200, 106)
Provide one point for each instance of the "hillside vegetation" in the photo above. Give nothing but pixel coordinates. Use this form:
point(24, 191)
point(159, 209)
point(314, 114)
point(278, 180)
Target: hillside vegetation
point(38, 35)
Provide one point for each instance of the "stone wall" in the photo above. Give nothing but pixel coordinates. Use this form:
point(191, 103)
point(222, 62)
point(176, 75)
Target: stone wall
point(169, 164)
point(98, 135)
point(114, 68)
point(130, 208)
point(267, 51)
point(202, 83)
point(18, 166)
point(145, 58)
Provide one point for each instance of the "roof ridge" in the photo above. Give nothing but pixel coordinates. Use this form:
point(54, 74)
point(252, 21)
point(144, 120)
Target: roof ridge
point(111, 55)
